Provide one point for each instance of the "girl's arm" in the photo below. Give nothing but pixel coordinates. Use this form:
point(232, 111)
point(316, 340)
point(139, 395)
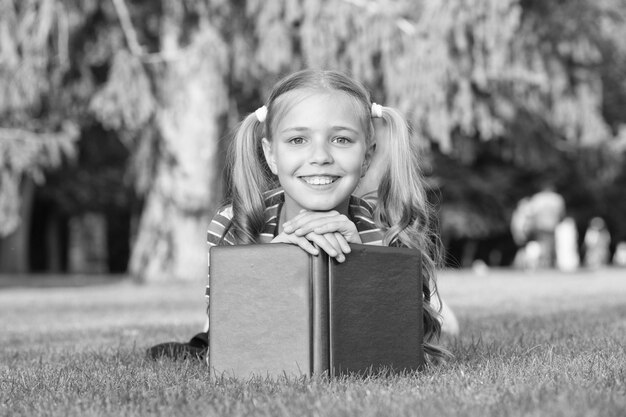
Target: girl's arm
point(331, 231)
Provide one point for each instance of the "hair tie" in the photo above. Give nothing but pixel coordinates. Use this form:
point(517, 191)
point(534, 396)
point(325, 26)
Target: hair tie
point(261, 113)
point(377, 110)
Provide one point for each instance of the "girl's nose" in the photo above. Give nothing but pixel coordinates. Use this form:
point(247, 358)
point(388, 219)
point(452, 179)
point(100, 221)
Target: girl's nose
point(320, 153)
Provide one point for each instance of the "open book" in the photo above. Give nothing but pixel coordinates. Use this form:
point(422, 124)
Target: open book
point(275, 310)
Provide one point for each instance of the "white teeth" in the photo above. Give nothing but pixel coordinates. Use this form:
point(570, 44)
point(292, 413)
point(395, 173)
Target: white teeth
point(319, 180)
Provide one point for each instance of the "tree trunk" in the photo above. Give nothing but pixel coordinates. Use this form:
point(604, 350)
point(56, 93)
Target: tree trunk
point(469, 253)
point(171, 241)
point(54, 251)
point(14, 251)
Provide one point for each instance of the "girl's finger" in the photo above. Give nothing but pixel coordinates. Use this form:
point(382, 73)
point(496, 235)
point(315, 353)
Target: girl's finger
point(345, 246)
point(323, 244)
point(306, 245)
point(342, 226)
point(332, 239)
point(327, 225)
point(295, 240)
point(312, 225)
point(292, 224)
point(348, 231)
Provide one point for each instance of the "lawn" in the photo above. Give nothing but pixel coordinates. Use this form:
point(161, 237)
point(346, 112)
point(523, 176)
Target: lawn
point(535, 344)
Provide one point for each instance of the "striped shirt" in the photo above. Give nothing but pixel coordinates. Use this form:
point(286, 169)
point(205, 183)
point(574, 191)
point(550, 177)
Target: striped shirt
point(360, 212)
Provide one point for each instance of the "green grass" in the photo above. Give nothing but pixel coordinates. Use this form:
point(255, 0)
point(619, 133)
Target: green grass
point(531, 344)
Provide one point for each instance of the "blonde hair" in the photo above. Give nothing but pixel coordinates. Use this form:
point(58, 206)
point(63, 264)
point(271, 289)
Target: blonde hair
point(402, 208)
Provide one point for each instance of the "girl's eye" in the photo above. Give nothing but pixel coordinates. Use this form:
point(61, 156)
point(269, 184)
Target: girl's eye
point(342, 140)
point(296, 141)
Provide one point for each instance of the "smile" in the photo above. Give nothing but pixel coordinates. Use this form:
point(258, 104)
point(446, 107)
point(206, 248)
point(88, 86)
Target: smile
point(319, 180)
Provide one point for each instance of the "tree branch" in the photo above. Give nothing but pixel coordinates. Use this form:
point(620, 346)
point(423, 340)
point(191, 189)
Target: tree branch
point(127, 28)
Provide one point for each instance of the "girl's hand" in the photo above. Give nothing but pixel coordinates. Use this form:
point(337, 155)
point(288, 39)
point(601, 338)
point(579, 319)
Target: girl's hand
point(334, 244)
point(331, 231)
point(303, 242)
point(321, 223)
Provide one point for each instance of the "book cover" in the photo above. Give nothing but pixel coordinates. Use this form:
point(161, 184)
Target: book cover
point(375, 310)
point(275, 310)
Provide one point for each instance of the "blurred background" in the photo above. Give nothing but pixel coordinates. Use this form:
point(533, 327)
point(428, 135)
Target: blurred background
point(115, 116)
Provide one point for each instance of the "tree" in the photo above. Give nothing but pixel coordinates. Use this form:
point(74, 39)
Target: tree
point(182, 91)
point(490, 87)
point(516, 83)
point(35, 133)
point(172, 234)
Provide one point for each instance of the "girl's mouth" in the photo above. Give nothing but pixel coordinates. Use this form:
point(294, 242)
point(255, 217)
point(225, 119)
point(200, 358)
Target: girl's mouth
point(319, 179)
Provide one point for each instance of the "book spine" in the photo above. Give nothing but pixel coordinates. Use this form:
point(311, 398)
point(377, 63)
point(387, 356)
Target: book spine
point(420, 319)
point(320, 345)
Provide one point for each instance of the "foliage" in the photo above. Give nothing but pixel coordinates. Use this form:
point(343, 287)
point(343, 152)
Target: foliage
point(52, 60)
point(521, 81)
point(457, 68)
point(96, 181)
point(503, 89)
point(25, 152)
point(536, 345)
point(479, 198)
point(125, 103)
point(34, 62)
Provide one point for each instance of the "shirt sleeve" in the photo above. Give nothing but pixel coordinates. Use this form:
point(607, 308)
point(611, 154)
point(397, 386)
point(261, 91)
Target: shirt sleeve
point(362, 213)
point(218, 234)
point(219, 228)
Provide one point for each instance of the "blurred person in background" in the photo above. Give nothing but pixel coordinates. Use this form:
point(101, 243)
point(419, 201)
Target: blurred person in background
point(520, 222)
point(528, 253)
point(619, 258)
point(566, 244)
point(597, 241)
point(547, 209)
point(533, 226)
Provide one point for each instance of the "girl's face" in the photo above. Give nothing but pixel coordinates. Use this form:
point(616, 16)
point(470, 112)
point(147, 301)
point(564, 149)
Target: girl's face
point(319, 151)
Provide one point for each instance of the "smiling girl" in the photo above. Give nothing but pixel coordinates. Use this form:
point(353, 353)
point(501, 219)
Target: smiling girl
point(295, 164)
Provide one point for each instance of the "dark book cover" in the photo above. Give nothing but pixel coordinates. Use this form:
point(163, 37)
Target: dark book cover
point(276, 310)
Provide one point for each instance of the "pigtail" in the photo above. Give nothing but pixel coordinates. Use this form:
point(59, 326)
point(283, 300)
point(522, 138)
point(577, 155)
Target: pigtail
point(249, 180)
point(404, 211)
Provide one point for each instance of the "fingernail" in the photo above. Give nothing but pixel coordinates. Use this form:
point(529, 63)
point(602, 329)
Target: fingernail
point(341, 258)
point(287, 227)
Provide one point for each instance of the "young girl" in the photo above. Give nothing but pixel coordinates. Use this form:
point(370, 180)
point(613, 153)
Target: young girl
point(294, 166)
